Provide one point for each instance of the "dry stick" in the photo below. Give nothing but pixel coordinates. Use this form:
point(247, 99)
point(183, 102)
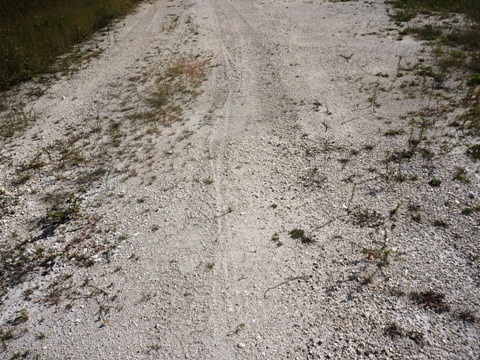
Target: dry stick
point(352, 119)
point(351, 197)
point(284, 282)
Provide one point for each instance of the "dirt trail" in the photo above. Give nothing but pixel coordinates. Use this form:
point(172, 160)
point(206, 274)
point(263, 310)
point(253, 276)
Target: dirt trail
point(287, 133)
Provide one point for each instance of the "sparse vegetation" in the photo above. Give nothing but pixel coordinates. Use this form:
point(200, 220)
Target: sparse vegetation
point(296, 233)
point(395, 331)
point(467, 316)
point(382, 255)
point(299, 234)
point(474, 151)
point(276, 240)
point(367, 218)
point(431, 299)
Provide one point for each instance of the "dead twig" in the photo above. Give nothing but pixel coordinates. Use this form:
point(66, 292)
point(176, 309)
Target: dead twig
point(284, 282)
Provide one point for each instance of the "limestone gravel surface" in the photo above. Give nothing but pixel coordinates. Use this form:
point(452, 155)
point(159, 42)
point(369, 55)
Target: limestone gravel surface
point(240, 179)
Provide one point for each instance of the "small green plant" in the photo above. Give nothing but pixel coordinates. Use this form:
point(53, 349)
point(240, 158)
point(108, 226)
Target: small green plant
point(461, 175)
point(134, 257)
point(5, 336)
point(474, 151)
point(276, 240)
point(474, 80)
point(145, 298)
point(473, 257)
point(209, 266)
point(470, 210)
point(296, 233)
point(344, 162)
point(153, 347)
point(394, 132)
point(300, 234)
point(434, 182)
point(397, 292)
point(403, 15)
point(22, 315)
point(237, 330)
point(382, 255)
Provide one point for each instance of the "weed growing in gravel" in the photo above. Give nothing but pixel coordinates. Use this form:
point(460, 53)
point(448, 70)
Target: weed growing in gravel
point(153, 347)
point(461, 175)
point(5, 337)
point(474, 152)
point(394, 132)
point(397, 292)
point(431, 299)
point(470, 210)
point(367, 218)
point(276, 240)
point(145, 298)
point(382, 255)
point(395, 331)
point(299, 234)
point(237, 330)
point(296, 233)
point(13, 124)
point(208, 181)
point(467, 316)
point(182, 78)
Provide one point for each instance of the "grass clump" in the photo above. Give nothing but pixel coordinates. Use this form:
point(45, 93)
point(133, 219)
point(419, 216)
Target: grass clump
point(34, 32)
point(299, 234)
point(474, 151)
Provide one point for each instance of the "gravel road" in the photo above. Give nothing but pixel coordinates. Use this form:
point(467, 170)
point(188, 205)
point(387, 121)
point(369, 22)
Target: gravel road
point(264, 220)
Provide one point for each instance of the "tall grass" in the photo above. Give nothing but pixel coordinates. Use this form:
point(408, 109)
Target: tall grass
point(470, 8)
point(34, 32)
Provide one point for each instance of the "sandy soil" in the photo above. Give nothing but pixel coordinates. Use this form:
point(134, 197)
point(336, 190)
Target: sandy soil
point(302, 119)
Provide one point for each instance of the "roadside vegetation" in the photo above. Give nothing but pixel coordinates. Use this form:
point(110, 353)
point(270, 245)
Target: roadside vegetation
point(33, 33)
point(453, 30)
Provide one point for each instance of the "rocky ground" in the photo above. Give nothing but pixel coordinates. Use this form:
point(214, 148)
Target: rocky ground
point(240, 179)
